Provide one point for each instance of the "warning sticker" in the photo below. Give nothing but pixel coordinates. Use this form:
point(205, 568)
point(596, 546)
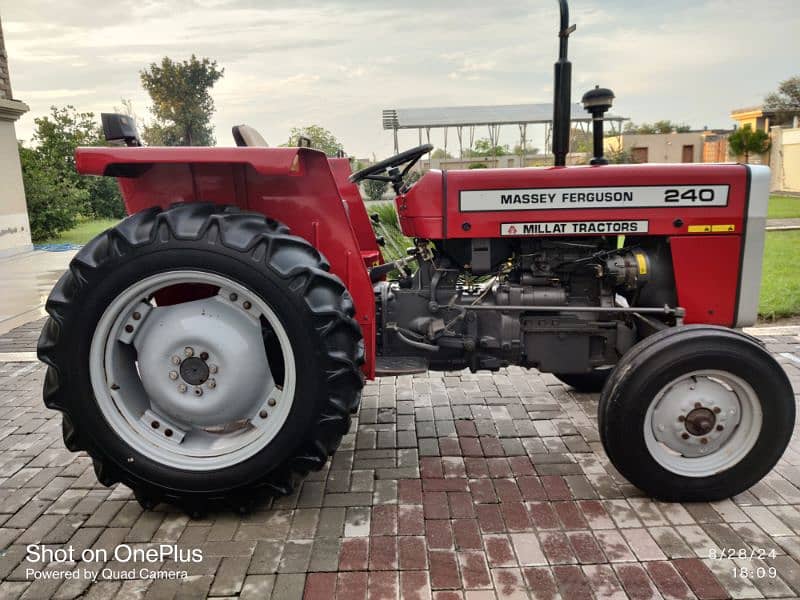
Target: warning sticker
point(711, 228)
point(574, 228)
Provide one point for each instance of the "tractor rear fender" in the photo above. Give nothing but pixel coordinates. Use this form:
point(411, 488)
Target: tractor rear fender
point(295, 186)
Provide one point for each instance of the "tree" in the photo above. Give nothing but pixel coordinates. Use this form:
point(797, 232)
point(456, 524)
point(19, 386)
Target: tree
point(54, 202)
point(786, 101)
point(618, 156)
point(321, 139)
point(667, 126)
point(413, 177)
point(663, 126)
point(57, 135)
point(374, 189)
point(440, 153)
point(483, 148)
point(182, 103)
point(55, 138)
point(746, 141)
point(528, 150)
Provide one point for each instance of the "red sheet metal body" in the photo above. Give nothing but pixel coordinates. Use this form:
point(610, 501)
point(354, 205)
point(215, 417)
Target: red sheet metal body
point(293, 185)
point(311, 194)
point(706, 266)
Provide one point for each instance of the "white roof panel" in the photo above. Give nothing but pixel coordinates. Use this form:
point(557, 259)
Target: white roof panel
point(454, 116)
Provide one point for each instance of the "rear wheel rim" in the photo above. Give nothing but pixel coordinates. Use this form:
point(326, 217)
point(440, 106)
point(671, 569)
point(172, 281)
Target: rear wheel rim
point(189, 385)
point(703, 423)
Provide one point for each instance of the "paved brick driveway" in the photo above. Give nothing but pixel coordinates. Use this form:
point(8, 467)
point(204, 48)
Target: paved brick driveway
point(451, 486)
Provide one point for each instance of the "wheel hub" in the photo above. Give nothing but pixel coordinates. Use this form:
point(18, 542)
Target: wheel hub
point(210, 348)
point(189, 385)
point(194, 371)
point(700, 421)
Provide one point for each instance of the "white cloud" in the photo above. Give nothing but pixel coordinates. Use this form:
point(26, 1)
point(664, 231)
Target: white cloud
point(338, 63)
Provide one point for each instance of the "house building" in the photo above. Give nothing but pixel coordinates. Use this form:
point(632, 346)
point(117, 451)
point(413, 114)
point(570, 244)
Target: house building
point(785, 159)
point(659, 147)
point(755, 116)
point(15, 233)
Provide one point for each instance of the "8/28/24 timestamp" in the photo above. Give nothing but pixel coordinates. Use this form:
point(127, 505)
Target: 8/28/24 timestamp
point(751, 571)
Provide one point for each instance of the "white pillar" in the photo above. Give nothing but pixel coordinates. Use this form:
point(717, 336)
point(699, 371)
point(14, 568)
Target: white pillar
point(15, 230)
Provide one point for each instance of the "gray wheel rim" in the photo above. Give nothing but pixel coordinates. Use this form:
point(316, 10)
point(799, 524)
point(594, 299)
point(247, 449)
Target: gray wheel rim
point(703, 423)
point(189, 385)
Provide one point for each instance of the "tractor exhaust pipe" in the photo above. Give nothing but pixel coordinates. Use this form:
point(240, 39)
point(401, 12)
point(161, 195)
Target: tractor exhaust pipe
point(562, 91)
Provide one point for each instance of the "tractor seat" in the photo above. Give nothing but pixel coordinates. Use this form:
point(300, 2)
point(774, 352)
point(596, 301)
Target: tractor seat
point(248, 137)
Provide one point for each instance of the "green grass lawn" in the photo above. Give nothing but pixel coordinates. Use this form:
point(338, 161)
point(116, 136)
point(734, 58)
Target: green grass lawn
point(82, 232)
point(780, 281)
point(783, 207)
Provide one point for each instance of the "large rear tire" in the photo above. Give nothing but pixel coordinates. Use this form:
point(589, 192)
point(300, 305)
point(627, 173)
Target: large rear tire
point(696, 413)
point(202, 356)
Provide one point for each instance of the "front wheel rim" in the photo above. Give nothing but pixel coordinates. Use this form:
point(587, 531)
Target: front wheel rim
point(188, 384)
point(703, 423)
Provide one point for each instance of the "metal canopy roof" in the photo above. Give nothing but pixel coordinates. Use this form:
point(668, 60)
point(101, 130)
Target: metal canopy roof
point(467, 116)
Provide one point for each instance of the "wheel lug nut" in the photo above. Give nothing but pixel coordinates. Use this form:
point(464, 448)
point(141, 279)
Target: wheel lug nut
point(173, 375)
point(703, 440)
point(212, 384)
point(262, 414)
point(720, 428)
point(198, 391)
point(685, 436)
point(204, 355)
point(246, 304)
point(212, 368)
point(681, 418)
point(233, 297)
point(717, 409)
point(182, 387)
point(137, 316)
point(176, 360)
point(698, 405)
point(271, 402)
point(129, 328)
point(188, 351)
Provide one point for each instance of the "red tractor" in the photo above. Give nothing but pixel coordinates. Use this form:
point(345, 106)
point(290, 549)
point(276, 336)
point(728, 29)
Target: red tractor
point(212, 346)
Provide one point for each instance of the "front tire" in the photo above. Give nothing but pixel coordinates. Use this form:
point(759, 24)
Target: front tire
point(202, 356)
point(696, 413)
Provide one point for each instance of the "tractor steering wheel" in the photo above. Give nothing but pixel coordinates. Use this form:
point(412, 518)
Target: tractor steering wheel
point(390, 167)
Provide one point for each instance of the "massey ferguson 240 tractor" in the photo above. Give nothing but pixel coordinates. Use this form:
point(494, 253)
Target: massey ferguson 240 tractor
point(211, 347)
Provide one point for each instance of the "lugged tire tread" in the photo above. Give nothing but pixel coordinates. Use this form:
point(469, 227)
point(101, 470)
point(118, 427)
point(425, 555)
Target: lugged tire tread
point(248, 233)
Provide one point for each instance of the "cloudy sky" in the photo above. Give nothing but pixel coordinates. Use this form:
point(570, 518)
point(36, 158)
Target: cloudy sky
point(339, 63)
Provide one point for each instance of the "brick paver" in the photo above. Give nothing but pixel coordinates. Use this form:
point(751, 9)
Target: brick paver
point(449, 486)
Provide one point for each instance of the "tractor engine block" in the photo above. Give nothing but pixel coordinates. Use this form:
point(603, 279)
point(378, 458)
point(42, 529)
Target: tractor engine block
point(485, 304)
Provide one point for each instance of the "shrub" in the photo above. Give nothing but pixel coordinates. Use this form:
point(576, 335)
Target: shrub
point(374, 189)
point(396, 242)
point(105, 200)
point(53, 203)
